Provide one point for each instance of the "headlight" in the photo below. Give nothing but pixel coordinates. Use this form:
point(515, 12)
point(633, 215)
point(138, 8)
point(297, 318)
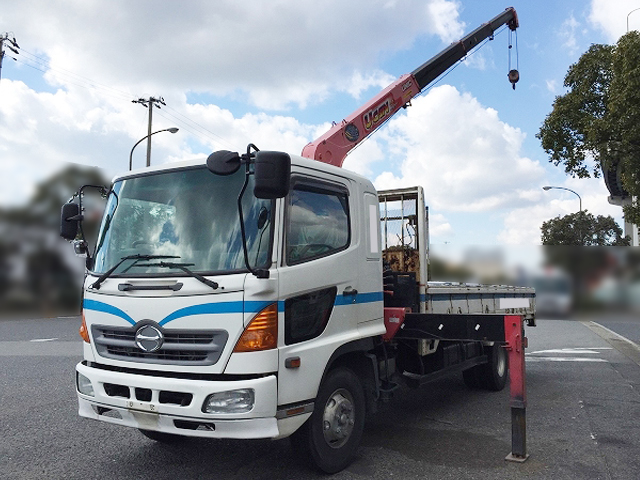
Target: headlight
point(84, 385)
point(234, 401)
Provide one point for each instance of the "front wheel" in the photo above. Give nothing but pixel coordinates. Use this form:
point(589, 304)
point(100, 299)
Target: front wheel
point(330, 438)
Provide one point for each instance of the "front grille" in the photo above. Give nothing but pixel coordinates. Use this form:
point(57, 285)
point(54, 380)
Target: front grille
point(180, 347)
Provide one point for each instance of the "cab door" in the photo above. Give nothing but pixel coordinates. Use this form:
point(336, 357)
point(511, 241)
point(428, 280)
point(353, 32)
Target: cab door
point(318, 279)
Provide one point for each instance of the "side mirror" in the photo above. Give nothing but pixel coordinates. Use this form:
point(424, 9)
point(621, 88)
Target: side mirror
point(81, 248)
point(69, 219)
point(223, 162)
point(272, 174)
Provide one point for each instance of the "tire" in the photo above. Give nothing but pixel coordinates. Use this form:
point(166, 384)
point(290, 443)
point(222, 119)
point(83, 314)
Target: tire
point(493, 375)
point(163, 437)
point(329, 439)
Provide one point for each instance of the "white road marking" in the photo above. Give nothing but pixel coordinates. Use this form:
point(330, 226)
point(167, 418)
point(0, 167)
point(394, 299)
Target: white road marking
point(617, 335)
point(552, 355)
point(38, 340)
point(566, 359)
point(571, 351)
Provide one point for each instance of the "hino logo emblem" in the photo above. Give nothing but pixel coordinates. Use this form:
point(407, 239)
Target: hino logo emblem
point(149, 338)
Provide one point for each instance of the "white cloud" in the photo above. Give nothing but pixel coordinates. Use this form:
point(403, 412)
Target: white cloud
point(439, 227)
point(463, 155)
point(444, 19)
point(612, 17)
point(40, 132)
point(568, 35)
point(276, 53)
point(98, 56)
point(361, 82)
point(522, 225)
point(479, 60)
point(364, 156)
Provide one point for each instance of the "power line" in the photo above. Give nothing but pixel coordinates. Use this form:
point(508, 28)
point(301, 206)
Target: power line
point(38, 63)
point(187, 122)
point(9, 43)
point(41, 64)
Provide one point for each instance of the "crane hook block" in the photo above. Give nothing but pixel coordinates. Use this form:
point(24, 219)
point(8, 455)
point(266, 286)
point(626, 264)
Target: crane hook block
point(514, 76)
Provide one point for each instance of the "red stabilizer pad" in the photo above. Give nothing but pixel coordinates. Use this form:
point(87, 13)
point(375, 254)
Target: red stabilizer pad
point(393, 320)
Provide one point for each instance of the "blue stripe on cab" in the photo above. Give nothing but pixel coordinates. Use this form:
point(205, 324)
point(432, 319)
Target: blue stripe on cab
point(250, 307)
point(106, 308)
point(202, 309)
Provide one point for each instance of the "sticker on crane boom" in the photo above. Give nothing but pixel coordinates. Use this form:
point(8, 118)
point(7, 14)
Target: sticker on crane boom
point(378, 113)
point(351, 132)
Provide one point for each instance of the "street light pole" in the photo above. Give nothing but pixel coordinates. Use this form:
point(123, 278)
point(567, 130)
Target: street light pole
point(149, 133)
point(148, 137)
point(548, 187)
point(635, 9)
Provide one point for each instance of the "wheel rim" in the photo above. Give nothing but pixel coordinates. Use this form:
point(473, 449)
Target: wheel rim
point(501, 364)
point(339, 418)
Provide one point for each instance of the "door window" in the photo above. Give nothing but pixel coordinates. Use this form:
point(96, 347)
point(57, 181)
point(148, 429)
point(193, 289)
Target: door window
point(318, 223)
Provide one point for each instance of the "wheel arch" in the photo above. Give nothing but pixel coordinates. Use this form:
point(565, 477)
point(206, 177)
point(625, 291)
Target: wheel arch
point(358, 357)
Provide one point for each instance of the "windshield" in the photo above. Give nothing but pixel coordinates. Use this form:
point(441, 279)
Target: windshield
point(190, 215)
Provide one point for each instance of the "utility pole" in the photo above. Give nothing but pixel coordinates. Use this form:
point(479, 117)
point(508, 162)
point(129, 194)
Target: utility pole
point(149, 103)
point(12, 45)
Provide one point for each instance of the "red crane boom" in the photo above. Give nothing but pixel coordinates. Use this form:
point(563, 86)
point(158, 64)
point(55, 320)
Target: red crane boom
point(334, 145)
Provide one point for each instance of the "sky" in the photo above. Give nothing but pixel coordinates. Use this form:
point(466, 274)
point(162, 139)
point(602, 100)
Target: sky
point(277, 74)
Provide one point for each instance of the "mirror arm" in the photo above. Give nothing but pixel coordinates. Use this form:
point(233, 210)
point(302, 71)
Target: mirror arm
point(80, 217)
point(246, 159)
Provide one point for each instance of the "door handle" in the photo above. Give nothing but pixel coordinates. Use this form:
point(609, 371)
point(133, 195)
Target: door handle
point(349, 291)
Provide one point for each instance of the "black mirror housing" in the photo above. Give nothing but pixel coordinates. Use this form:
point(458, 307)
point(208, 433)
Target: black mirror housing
point(272, 174)
point(69, 219)
point(223, 162)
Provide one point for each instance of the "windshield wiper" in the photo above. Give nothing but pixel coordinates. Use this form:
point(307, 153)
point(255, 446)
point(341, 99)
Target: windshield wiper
point(137, 257)
point(183, 267)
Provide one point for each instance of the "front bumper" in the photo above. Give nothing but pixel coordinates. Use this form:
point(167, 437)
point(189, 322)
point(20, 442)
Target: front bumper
point(174, 405)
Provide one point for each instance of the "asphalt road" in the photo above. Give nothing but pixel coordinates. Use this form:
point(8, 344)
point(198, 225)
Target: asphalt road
point(583, 421)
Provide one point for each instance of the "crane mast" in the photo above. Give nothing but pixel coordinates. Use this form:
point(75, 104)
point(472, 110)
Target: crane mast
point(333, 146)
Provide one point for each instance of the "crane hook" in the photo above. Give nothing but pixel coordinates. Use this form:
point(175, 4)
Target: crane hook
point(514, 76)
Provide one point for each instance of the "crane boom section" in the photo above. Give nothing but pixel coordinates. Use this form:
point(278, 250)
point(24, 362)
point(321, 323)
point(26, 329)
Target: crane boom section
point(333, 146)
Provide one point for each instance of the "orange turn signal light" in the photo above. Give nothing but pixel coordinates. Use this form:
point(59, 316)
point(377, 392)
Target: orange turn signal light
point(84, 332)
point(261, 333)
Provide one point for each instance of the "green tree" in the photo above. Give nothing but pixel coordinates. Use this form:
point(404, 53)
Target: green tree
point(33, 273)
point(596, 124)
point(582, 229)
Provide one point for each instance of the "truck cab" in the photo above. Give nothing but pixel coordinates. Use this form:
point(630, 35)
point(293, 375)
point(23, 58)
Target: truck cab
point(182, 337)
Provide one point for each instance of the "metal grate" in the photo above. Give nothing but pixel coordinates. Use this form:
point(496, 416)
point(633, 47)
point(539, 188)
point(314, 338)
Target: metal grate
point(166, 397)
point(180, 347)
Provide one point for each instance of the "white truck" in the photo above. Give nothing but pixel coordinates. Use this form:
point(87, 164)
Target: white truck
point(267, 295)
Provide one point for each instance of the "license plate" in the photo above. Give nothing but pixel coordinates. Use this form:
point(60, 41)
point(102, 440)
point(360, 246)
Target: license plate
point(142, 406)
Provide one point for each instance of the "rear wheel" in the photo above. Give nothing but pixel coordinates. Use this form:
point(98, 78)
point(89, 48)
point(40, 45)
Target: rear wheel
point(491, 375)
point(494, 373)
point(330, 438)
